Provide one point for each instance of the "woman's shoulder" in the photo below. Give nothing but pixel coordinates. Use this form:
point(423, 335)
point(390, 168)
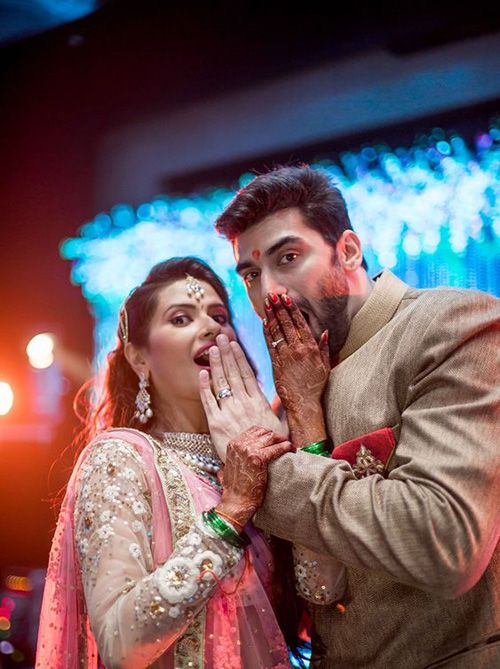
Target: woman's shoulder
point(114, 448)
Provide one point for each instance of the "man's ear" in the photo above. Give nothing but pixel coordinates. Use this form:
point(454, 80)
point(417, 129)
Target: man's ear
point(136, 359)
point(349, 252)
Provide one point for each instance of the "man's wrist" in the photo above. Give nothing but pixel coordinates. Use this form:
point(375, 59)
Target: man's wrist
point(306, 431)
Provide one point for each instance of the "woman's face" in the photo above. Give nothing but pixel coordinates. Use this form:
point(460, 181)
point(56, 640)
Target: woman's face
point(181, 332)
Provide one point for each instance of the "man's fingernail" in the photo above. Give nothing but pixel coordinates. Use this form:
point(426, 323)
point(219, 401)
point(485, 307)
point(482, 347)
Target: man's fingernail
point(274, 298)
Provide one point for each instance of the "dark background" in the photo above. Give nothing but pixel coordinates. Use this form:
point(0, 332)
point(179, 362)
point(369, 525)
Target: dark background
point(65, 88)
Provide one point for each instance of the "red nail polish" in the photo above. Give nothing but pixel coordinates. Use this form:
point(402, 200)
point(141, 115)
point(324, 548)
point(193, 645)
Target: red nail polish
point(265, 323)
point(267, 305)
point(274, 298)
point(287, 300)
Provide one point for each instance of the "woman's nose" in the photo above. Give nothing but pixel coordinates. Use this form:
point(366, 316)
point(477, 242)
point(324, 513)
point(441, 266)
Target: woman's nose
point(211, 329)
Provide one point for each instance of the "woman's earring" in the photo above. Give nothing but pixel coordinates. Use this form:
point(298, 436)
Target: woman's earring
point(143, 400)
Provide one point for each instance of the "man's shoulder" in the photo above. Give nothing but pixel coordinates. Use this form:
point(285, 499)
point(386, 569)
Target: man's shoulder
point(447, 302)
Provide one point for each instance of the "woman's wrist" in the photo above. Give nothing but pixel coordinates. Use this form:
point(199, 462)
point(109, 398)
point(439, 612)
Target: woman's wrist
point(237, 512)
point(225, 530)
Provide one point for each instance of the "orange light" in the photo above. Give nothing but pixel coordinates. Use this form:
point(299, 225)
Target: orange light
point(4, 624)
point(6, 398)
point(20, 583)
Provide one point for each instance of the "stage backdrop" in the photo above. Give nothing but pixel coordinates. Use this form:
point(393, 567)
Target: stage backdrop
point(429, 212)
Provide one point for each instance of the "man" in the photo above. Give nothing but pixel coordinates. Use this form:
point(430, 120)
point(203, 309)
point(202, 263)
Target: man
point(415, 371)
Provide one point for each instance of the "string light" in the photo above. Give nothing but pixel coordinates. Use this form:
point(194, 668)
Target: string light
point(429, 212)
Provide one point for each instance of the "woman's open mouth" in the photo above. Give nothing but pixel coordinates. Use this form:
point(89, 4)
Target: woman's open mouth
point(203, 359)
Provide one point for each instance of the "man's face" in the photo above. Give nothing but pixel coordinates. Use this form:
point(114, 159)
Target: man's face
point(281, 254)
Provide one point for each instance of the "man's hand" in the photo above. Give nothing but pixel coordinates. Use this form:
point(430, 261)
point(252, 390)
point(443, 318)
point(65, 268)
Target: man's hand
point(245, 471)
point(300, 366)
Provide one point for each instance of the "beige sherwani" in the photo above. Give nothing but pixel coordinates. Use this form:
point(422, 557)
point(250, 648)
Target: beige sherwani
point(420, 545)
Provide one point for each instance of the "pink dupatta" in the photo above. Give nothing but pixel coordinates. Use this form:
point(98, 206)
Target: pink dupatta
point(240, 629)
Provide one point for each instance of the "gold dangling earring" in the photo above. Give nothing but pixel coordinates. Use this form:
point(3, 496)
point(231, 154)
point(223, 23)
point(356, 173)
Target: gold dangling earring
point(143, 400)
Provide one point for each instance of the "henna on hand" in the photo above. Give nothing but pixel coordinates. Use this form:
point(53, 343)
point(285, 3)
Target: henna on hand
point(246, 471)
point(300, 366)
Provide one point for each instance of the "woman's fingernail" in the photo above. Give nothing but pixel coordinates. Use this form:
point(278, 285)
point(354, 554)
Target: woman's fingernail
point(274, 298)
point(267, 305)
point(286, 299)
point(265, 323)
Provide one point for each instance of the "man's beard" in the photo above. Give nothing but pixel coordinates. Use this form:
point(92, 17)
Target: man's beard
point(330, 310)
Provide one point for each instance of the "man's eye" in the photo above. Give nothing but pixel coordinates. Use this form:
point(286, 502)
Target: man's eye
point(180, 320)
point(250, 276)
point(288, 258)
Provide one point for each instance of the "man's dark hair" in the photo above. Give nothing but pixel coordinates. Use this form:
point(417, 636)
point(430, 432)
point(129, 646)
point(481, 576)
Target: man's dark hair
point(309, 190)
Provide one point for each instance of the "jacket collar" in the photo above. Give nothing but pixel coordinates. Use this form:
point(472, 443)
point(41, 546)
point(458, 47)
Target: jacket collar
point(376, 312)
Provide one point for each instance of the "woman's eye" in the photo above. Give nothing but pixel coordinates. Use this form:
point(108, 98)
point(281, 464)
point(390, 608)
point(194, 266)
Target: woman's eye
point(180, 320)
point(250, 276)
point(288, 258)
point(220, 318)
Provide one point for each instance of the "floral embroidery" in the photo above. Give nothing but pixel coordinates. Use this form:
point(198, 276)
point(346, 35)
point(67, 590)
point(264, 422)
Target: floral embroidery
point(136, 526)
point(105, 532)
point(128, 474)
point(174, 611)
point(134, 550)
point(111, 492)
point(207, 562)
point(319, 579)
point(178, 579)
point(138, 508)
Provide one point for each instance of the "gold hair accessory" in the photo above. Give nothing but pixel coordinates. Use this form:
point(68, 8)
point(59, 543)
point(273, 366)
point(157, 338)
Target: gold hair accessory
point(123, 324)
point(194, 287)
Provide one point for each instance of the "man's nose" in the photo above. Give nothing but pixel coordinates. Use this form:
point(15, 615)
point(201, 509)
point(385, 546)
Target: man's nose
point(270, 284)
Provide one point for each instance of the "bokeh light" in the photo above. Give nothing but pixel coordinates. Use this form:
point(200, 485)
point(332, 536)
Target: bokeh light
point(6, 398)
point(40, 350)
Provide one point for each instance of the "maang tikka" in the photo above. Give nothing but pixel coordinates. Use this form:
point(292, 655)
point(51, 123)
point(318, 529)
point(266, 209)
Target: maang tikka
point(143, 401)
point(194, 287)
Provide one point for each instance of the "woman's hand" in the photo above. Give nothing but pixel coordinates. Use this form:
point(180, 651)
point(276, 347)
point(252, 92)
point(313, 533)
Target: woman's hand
point(245, 471)
point(300, 367)
point(247, 405)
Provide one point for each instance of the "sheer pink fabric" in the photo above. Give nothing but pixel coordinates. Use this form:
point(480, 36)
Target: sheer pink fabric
point(241, 630)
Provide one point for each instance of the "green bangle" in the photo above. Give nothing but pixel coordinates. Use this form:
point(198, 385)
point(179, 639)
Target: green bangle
point(318, 448)
point(225, 531)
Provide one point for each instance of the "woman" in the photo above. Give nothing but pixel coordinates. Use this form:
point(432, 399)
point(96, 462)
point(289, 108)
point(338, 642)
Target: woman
point(146, 568)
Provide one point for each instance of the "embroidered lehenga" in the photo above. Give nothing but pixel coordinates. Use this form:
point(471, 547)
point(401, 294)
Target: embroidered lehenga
point(134, 568)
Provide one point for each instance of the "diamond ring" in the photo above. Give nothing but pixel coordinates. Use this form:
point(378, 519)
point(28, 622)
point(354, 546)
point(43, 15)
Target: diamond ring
point(275, 343)
point(224, 392)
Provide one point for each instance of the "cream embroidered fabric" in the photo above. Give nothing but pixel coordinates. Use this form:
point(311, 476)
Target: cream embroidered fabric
point(130, 604)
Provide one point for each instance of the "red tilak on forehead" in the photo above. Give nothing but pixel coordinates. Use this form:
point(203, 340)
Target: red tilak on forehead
point(255, 255)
